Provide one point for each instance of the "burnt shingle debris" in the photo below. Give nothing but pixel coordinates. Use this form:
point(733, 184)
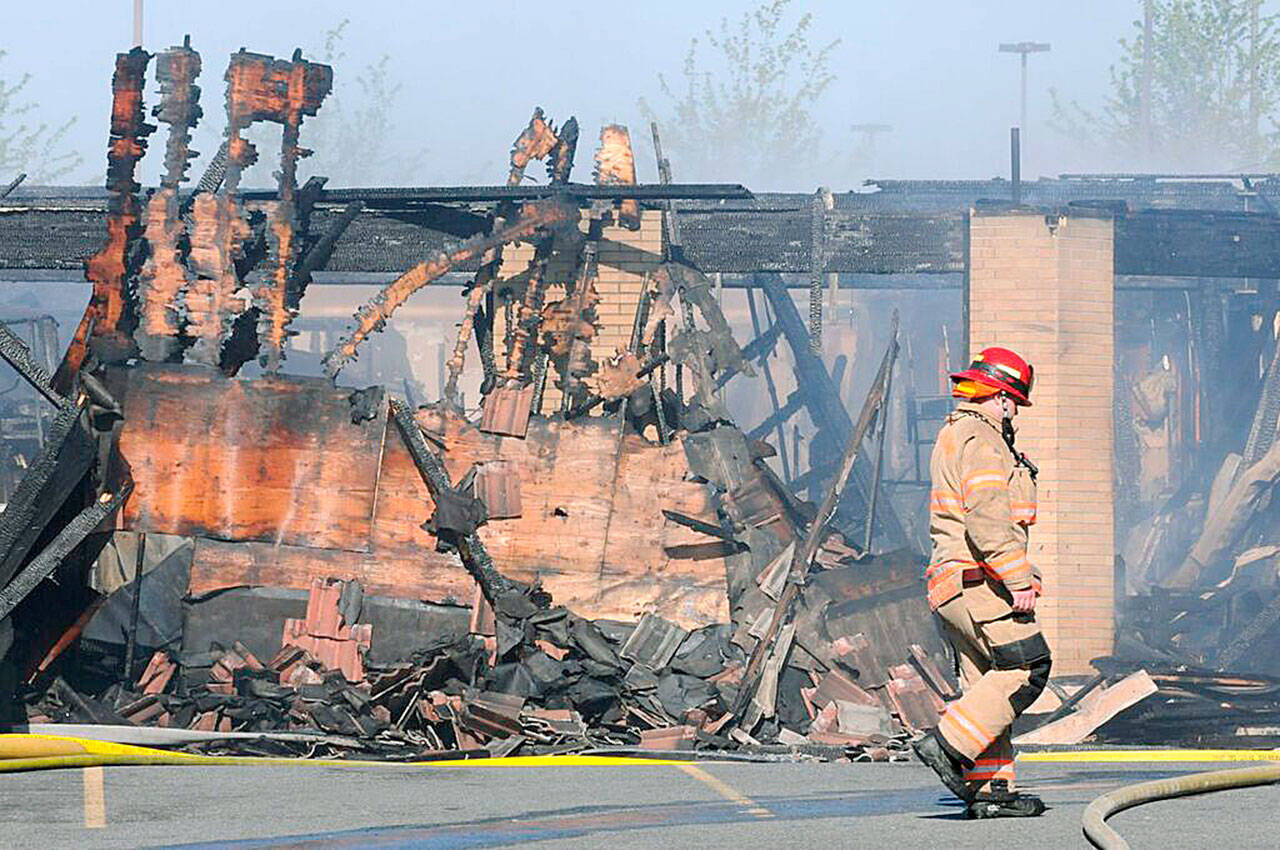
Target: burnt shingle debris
point(547, 681)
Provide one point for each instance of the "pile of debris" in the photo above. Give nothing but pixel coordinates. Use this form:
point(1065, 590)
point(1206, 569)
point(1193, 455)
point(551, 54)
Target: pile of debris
point(1197, 707)
point(1202, 575)
point(529, 679)
point(1165, 705)
point(779, 634)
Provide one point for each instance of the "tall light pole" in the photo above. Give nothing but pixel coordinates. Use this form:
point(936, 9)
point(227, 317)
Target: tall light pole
point(1144, 95)
point(1254, 102)
point(1023, 48)
point(137, 23)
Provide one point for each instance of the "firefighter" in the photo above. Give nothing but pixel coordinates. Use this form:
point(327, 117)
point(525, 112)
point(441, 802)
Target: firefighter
point(982, 587)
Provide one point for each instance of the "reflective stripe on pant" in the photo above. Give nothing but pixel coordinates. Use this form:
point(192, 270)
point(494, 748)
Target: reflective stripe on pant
point(1004, 665)
point(996, 762)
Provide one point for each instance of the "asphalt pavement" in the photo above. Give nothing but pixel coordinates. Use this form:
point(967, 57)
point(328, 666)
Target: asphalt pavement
point(707, 805)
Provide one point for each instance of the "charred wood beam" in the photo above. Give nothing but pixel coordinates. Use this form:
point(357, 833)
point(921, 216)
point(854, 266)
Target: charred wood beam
point(768, 380)
point(218, 233)
point(108, 268)
point(1197, 243)
point(540, 364)
point(396, 197)
point(822, 400)
point(528, 317)
point(13, 184)
point(670, 225)
point(316, 258)
point(163, 280)
point(560, 158)
point(374, 314)
point(877, 475)
point(16, 354)
point(215, 172)
point(260, 88)
point(891, 254)
point(1070, 702)
point(271, 294)
point(72, 534)
point(164, 277)
point(476, 297)
point(65, 457)
point(538, 140)
point(822, 202)
point(779, 417)
point(1155, 249)
point(700, 526)
point(176, 72)
point(475, 558)
point(106, 323)
point(135, 610)
point(872, 409)
point(243, 342)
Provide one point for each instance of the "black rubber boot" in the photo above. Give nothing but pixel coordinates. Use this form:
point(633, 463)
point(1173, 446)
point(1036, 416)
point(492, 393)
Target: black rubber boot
point(930, 750)
point(1000, 802)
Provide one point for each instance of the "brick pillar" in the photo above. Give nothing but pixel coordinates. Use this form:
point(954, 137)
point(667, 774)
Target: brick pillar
point(626, 256)
point(1044, 287)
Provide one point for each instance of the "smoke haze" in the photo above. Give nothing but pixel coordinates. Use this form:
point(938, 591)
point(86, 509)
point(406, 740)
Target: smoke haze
point(471, 73)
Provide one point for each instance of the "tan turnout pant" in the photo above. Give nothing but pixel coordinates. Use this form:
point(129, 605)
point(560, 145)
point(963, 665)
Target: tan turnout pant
point(1003, 664)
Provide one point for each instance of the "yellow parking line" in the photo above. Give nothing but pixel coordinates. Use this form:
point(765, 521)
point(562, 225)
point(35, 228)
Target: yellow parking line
point(727, 791)
point(95, 798)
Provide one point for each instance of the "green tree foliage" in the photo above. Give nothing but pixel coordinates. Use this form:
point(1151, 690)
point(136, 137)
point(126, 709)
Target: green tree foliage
point(743, 107)
point(27, 144)
point(1214, 92)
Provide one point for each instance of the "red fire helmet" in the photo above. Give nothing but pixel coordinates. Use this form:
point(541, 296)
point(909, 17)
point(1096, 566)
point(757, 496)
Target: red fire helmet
point(1003, 371)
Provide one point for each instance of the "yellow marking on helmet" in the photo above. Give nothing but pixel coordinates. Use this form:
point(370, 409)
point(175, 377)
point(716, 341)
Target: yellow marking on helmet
point(1008, 370)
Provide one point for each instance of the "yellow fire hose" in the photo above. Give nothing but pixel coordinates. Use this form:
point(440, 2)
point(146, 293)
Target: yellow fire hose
point(1095, 816)
point(24, 752)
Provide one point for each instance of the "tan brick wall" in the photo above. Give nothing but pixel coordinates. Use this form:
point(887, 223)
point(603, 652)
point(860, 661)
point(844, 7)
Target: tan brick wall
point(625, 257)
point(1049, 296)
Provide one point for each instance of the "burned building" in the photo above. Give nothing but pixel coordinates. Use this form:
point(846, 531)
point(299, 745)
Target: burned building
point(264, 532)
point(556, 524)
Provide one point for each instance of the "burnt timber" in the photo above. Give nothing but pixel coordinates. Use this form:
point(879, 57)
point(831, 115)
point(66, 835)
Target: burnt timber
point(277, 486)
point(913, 229)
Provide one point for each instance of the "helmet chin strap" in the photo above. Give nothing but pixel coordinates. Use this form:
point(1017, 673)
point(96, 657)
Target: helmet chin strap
point(1006, 422)
point(1006, 430)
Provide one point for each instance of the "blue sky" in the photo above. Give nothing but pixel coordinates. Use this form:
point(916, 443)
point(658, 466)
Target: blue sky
point(471, 72)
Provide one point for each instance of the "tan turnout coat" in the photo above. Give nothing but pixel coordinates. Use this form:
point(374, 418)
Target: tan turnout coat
point(982, 503)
